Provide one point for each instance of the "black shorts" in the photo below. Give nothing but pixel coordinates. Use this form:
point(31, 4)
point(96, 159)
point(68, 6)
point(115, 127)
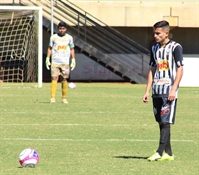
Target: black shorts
point(164, 110)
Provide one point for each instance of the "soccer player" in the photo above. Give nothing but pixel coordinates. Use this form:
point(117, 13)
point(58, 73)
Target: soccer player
point(164, 77)
point(61, 48)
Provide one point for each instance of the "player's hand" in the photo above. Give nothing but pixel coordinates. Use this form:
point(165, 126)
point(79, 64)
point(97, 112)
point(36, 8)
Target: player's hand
point(172, 95)
point(73, 63)
point(145, 98)
point(47, 63)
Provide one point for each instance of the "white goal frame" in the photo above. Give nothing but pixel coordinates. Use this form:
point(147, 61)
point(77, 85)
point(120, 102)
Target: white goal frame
point(40, 34)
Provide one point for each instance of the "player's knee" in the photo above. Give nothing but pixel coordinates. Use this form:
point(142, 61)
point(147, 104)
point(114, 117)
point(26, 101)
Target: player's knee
point(55, 78)
point(64, 80)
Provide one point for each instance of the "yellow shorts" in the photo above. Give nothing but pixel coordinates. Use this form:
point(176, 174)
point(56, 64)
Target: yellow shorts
point(60, 69)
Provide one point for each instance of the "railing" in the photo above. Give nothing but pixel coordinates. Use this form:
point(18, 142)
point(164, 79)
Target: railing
point(96, 33)
point(141, 1)
point(104, 37)
point(91, 29)
point(119, 1)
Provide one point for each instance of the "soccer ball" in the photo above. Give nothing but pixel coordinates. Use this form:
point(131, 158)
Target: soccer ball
point(72, 85)
point(28, 158)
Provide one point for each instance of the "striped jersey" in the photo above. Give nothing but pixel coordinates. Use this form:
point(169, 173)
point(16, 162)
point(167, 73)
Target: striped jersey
point(61, 46)
point(166, 60)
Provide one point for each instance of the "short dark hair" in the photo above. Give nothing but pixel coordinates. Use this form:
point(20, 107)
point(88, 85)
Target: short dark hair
point(62, 24)
point(161, 24)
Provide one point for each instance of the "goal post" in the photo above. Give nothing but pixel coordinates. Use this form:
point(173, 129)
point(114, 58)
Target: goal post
point(21, 38)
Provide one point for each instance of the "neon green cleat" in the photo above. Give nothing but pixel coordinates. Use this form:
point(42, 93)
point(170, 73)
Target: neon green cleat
point(167, 157)
point(154, 157)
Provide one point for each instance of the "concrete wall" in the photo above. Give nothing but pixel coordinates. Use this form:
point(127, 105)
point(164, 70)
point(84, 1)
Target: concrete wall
point(89, 70)
point(135, 19)
point(138, 13)
point(191, 71)
point(187, 37)
point(180, 13)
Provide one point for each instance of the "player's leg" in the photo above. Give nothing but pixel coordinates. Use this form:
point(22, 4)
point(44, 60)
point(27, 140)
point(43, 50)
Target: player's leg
point(164, 135)
point(64, 87)
point(164, 125)
point(55, 76)
point(65, 71)
point(168, 150)
point(157, 104)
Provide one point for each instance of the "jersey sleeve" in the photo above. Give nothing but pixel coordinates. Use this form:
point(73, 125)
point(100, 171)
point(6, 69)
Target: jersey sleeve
point(71, 44)
point(178, 56)
point(51, 42)
point(152, 62)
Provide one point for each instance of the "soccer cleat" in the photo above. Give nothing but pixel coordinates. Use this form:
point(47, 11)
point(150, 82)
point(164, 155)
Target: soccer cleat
point(167, 157)
point(64, 101)
point(52, 100)
point(154, 157)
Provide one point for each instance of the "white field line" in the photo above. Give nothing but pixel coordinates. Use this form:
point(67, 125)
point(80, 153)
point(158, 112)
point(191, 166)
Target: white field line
point(81, 112)
point(71, 124)
point(90, 140)
point(83, 140)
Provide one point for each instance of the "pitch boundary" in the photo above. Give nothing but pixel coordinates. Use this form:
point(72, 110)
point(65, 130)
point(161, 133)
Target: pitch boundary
point(89, 140)
point(67, 124)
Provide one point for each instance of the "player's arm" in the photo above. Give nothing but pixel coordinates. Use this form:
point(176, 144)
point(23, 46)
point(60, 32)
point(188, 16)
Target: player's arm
point(72, 52)
point(49, 52)
point(178, 78)
point(178, 57)
point(149, 84)
point(73, 62)
point(151, 73)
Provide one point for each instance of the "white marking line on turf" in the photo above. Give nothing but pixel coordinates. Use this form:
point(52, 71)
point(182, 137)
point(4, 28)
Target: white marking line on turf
point(81, 112)
point(92, 140)
point(69, 124)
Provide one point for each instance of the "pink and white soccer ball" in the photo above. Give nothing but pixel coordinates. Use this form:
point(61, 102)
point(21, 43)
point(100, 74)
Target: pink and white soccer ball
point(28, 158)
point(72, 85)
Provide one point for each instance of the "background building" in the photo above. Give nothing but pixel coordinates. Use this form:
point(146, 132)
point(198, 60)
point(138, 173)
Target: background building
point(113, 38)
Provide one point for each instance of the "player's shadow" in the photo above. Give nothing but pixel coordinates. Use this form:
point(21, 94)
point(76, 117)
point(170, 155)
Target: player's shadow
point(44, 102)
point(130, 157)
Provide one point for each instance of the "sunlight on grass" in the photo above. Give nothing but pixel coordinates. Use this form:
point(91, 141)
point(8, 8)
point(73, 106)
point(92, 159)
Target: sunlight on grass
point(105, 129)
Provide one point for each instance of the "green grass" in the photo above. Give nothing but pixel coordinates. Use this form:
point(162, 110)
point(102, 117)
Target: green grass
point(105, 129)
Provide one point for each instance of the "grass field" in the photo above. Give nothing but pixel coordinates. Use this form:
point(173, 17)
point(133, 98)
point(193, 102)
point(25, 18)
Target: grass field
point(105, 129)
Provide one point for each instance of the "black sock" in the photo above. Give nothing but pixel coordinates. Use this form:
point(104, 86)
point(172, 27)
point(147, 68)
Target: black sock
point(164, 135)
point(168, 149)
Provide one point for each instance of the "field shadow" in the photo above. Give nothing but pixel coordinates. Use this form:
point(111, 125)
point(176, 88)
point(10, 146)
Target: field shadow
point(44, 102)
point(130, 157)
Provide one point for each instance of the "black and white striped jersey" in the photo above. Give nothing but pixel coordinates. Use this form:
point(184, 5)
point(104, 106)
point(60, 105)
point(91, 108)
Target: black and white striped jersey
point(166, 60)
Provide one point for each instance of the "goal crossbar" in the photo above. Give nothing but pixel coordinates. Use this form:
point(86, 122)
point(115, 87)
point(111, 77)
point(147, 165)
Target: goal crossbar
point(39, 33)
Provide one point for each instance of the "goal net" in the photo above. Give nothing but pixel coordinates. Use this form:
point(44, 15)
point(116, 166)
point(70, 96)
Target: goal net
point(20, 44)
